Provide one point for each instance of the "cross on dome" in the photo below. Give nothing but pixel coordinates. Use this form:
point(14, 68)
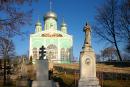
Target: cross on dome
point(50, 5)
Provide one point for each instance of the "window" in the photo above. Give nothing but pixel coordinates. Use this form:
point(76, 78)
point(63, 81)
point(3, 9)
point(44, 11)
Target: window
point(52, 52)
point(35, 56)
point(62, 53)
point(67, 53)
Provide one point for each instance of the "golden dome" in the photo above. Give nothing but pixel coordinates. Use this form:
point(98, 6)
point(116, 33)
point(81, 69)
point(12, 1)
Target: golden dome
point(50, 15)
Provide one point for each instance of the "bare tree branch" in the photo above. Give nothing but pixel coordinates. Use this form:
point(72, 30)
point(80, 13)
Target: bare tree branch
point(13, 17)
point(108, 22)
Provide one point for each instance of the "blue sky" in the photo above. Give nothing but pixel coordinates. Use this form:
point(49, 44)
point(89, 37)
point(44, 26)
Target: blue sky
point(75, 12)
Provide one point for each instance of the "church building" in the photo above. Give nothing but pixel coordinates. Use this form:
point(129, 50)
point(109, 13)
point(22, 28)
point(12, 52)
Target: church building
point(57, 42)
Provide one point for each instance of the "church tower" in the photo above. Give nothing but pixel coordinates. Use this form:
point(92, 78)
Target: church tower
point(38, 27)
point(50, 21)
point(64, 27)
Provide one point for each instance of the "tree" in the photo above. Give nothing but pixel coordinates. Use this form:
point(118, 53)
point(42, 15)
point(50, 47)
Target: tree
point(125, 21)
point(109, 54)
point(98, 56)
point(6, 51)
point(125, 17)
point(107, 27)
point(126, 57)
point(13, 16)
point(6, 48)
point(31, 60)
point(128, 47)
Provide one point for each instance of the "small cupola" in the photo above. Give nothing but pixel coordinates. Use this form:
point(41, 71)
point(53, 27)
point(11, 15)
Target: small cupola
point(38, 26)
point(64, 27)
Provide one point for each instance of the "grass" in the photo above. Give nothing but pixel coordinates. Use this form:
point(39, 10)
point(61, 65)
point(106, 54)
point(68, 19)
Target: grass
point(116, 83)
point(99, 67)
point(67, 78)
point(71, 80)
point(9, 84)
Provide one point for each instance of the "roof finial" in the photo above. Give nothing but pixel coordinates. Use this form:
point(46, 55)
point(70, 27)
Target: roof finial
point(87, 23)
point(38, 19)
point(50, 5)
point(63, 20)
point(38, 23)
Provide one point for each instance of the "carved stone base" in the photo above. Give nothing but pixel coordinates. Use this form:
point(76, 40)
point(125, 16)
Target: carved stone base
point(42, 70)
point(93, 82)
point(42, 84)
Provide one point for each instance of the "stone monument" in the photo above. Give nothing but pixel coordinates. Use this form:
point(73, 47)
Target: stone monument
point(42, 78)
point(87, 62)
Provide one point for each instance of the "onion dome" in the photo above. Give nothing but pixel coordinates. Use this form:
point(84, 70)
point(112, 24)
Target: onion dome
point(63, 24)
point(38, 24)
point(50, 15)
point(64, 27)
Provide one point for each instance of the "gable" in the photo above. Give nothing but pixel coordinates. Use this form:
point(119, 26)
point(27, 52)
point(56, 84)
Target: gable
point(50, 33)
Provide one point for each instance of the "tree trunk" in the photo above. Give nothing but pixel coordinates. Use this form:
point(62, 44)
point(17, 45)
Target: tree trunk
point(113, 30)
point(4, 70)
point(118, 52)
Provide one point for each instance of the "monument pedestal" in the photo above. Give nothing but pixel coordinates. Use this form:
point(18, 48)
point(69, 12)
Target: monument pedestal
point(42, 84)
point(42, 70)
point(88, 62)
point(42, 79)
point(92, 82)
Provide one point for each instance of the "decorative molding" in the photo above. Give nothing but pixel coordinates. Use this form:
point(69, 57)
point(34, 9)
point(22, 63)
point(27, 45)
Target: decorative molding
point(51, 35)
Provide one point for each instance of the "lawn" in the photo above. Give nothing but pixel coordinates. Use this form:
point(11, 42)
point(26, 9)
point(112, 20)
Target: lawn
point(68, 75)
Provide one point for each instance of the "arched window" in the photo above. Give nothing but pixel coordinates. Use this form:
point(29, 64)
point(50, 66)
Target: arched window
point(34, 55)
point(67, 53)
point(62, 53)
point(52, 52)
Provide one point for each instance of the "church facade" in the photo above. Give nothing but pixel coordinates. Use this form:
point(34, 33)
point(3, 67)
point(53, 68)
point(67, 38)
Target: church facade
point(57, 42)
